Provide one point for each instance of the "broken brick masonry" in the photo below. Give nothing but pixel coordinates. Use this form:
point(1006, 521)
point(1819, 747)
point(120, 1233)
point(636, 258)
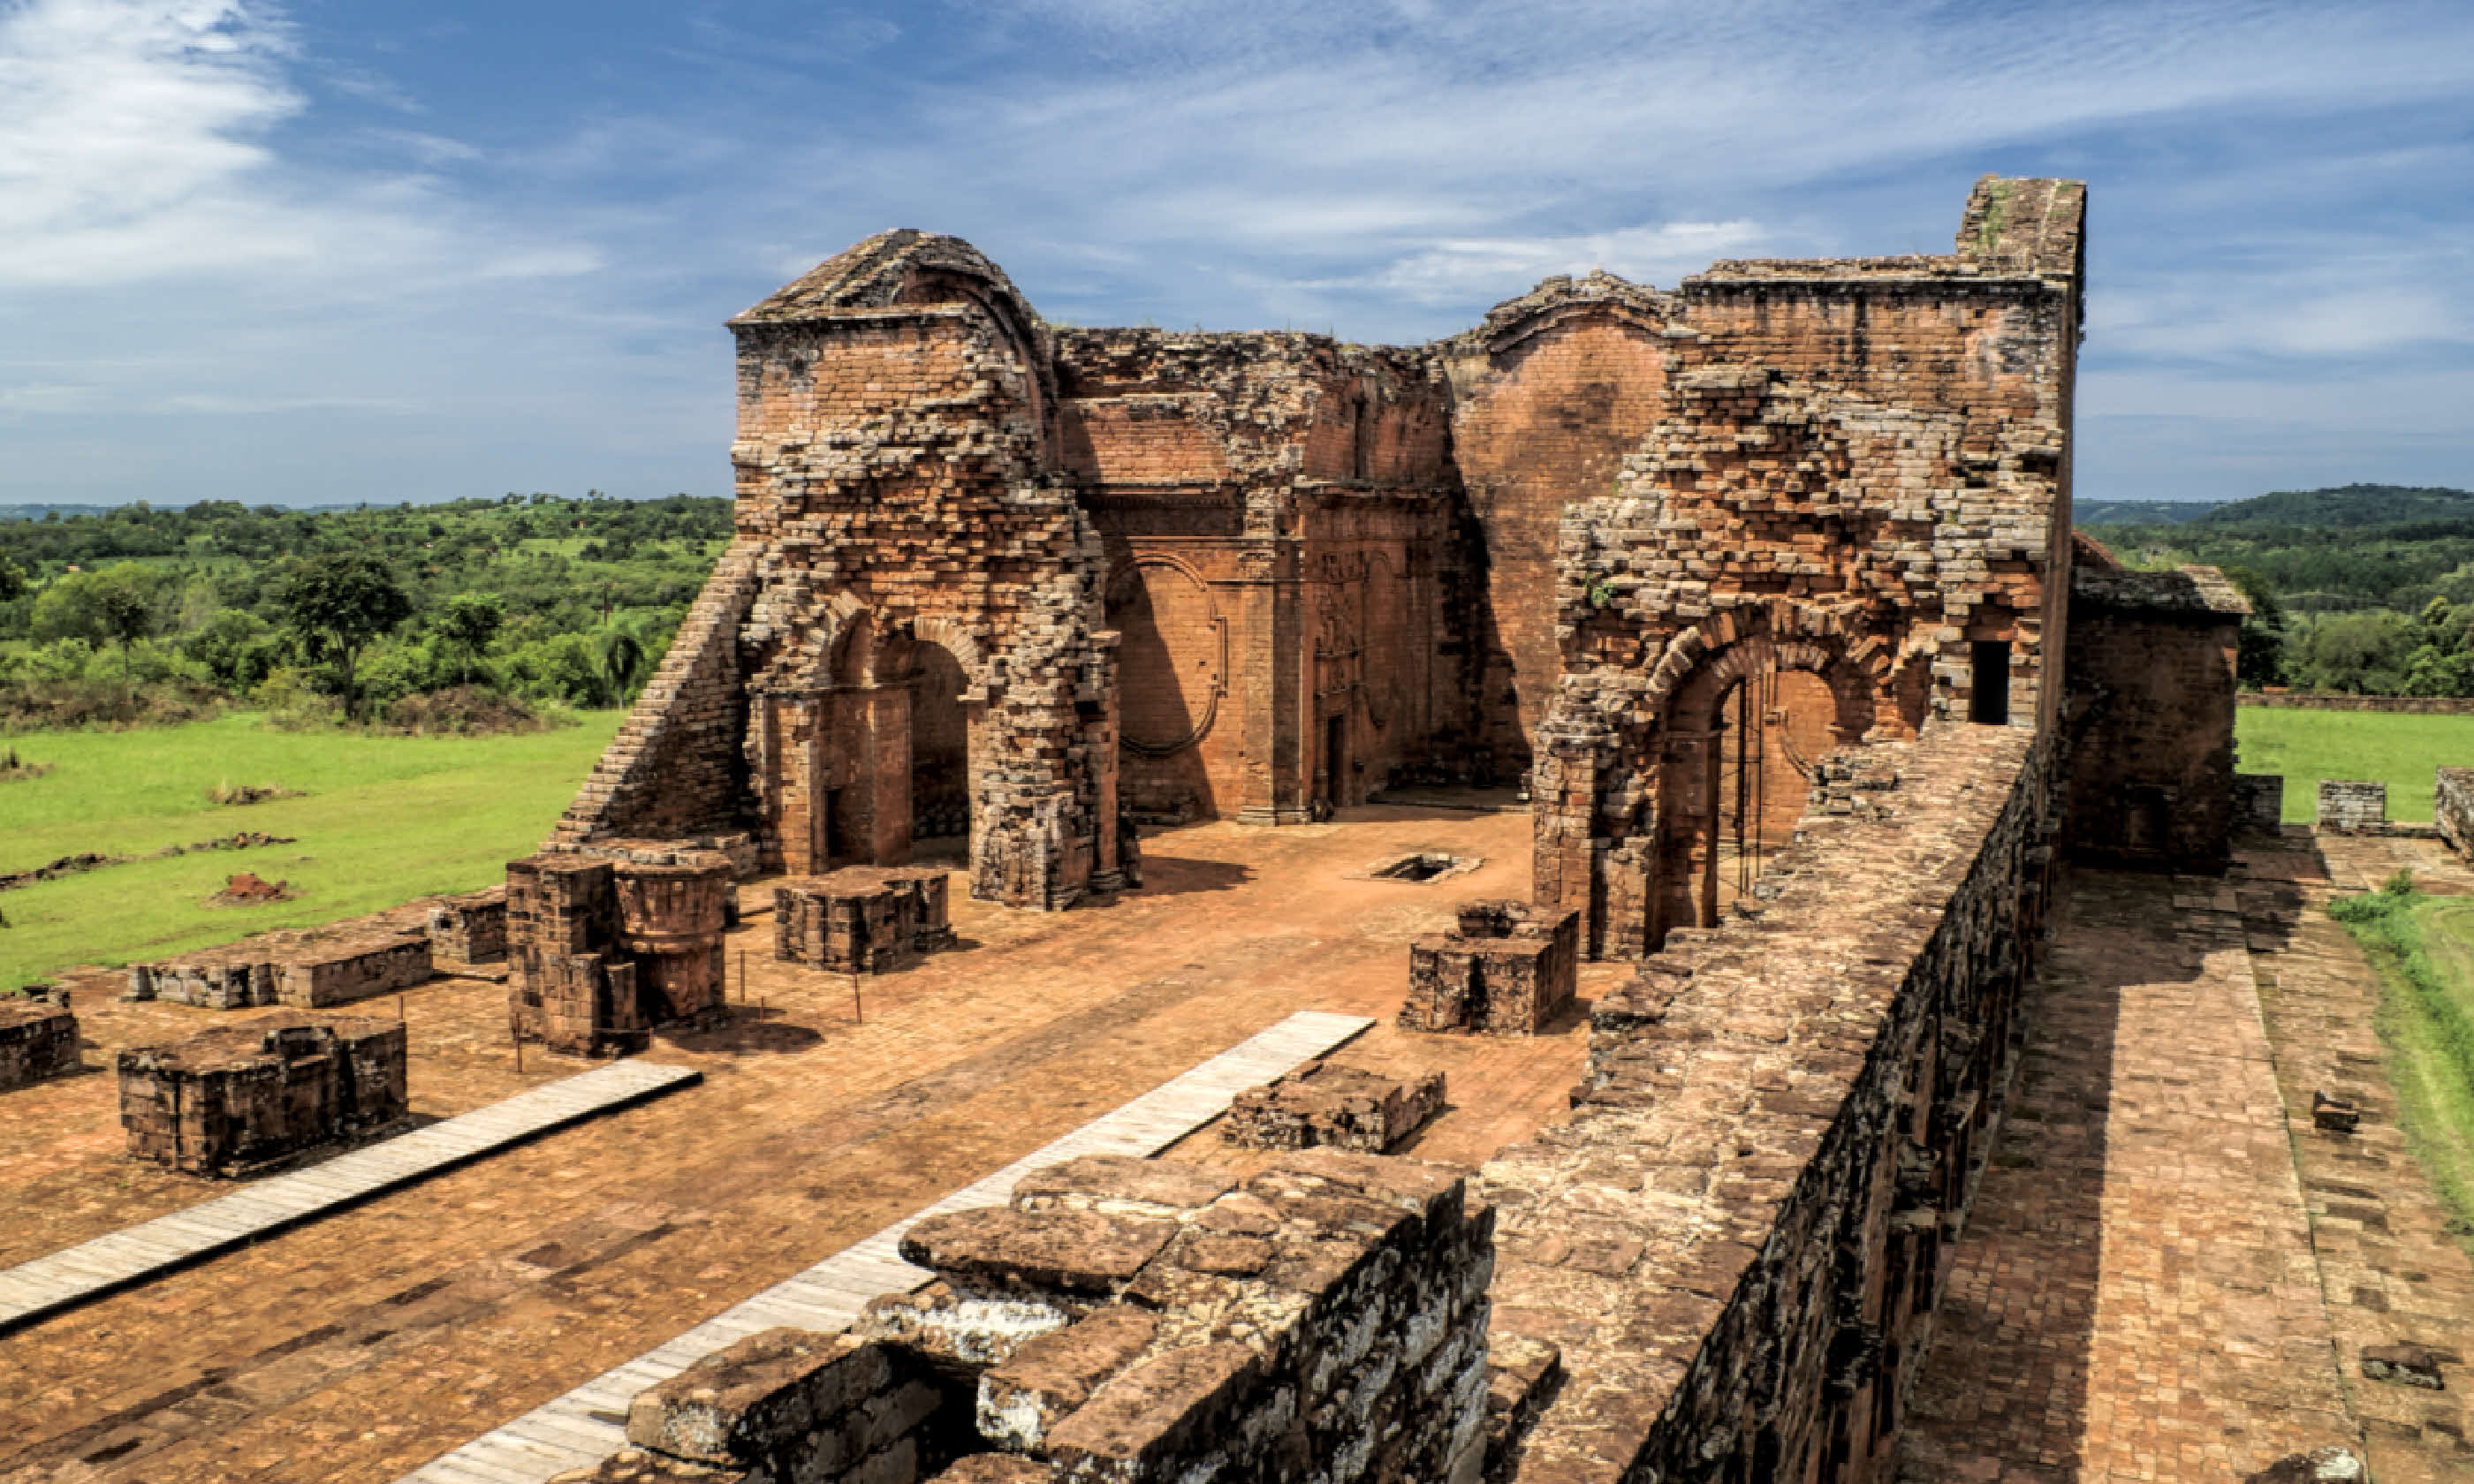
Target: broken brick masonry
point(241, 1098)
point(1688, 561)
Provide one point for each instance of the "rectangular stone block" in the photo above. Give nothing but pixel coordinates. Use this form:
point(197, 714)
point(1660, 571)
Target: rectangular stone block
point(2352, 806)
point(241, 1098)
point(38, 1039)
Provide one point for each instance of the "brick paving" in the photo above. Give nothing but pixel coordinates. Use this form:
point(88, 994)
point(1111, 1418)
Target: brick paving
point(2389, 1271)
point(2135, 1297)
point(359, 1347)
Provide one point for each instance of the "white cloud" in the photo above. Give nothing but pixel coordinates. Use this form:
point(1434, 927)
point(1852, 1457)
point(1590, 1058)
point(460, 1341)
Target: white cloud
point(1451, 270)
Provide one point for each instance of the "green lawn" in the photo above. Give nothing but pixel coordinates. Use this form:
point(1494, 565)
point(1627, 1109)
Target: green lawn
point(2423, 947)
point(383, 819)
point(2308, 746)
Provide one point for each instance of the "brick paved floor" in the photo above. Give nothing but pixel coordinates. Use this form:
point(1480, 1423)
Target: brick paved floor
point(2135, 1297)
point(2389, 1271)
point(362, 1345)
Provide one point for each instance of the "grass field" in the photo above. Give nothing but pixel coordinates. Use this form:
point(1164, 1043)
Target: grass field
point(2308, 746)
point(2423, 947)
point(383, 819)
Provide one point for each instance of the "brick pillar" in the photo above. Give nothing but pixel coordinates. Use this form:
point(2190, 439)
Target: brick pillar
point(886, 763)
point(1274, 690)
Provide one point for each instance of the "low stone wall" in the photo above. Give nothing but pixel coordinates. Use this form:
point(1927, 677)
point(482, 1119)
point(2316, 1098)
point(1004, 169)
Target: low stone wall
point(2317, 700)
point(471, 928)
point(1130, 1321)
point(2452, 807)
point(2259, 801)
point(38, 1039)
point(309, 975)
point(239, 1098)
point(2349, 807)
point(1738, 1240)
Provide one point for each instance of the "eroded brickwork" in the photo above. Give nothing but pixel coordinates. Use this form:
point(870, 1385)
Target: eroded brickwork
point(38, 1037)
point(1738, 1238)
point(2353, 807)
point(240, 1098)
point(607, 946)
point(1510, 970)
point(2151, 686)
point(2452, 807)
point(306, 970)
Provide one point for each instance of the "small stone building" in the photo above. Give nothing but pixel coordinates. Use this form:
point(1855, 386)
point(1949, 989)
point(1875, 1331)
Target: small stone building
point(38, 1037)
point(240, 1098)
point(2152, 685)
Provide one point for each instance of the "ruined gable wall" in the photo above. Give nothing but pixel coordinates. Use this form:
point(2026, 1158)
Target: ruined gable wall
point(1551, 394)
point(1738, 1238)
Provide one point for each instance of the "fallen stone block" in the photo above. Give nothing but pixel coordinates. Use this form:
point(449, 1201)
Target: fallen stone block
point(2335, 1114)
point(1342, 1106)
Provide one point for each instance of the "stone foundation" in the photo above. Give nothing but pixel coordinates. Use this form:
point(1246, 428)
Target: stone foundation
point(607, 950)
point(1128, 1321)
point(1510, 970)
point(38, 1037)
point(2452, 807)
point(238, 1099)
point(2258, 802)
point(1321, 1106)
point(471, 928)
point(861, 920)
point(311, 975)
point(2349, 807)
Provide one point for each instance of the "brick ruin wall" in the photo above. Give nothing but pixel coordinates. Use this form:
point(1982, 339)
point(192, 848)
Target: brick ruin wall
point(38, 1039)
point(240, 1098)
point(2452, 807)
point(1053, 581)
point(2152, 687)
point(1860, 474)
point(1738, 1238)
point(2353, 807)
point(2259, 801)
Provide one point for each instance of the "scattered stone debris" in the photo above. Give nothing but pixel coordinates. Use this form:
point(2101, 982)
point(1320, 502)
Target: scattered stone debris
point(1319, 1104)
point(13, 767)
point(249, 792)
point(89, 860)
point(248, 889)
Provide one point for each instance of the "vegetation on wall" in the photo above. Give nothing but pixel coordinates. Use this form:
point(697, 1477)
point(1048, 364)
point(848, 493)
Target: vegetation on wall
point(2423, 947)
point(445, 612)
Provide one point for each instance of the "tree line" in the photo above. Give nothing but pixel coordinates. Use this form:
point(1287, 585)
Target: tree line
point(535, 599)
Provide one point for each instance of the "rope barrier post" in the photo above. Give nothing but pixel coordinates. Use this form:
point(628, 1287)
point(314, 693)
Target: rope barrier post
point(857, 1017)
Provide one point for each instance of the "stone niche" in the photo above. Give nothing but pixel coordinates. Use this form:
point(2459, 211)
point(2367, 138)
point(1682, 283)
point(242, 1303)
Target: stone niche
point(307, 975)
point(1510, 970)
point(1322, 1106)
point(239, 1099)
point(1132, 1321)
point(38, 1037)
point(861, 920)
point(607, 950)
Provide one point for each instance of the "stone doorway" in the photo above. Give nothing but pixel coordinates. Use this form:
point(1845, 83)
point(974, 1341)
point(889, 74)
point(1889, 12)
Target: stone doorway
point(940, 757)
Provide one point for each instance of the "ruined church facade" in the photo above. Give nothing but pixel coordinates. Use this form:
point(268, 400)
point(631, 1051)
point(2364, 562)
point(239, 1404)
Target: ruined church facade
point(1647, 554)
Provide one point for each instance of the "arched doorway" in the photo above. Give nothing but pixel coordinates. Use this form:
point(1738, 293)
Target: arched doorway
point(941, 756)
point(1773, 725)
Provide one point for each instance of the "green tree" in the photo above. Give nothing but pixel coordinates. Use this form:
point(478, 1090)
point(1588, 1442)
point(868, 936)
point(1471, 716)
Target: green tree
point(623, 660)
point(121, 604)
point(2259, 654)
point(333, 605)
point(467, 624)
point(12, 579)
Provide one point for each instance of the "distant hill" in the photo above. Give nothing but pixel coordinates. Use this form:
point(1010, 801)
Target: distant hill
point(2347, 506)
point(2139, 513)
point(39, 511)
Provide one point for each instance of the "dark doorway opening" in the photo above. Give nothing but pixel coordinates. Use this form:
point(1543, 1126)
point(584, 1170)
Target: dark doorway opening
point(941, 756)
point(1988, 696)
point(1335, 759)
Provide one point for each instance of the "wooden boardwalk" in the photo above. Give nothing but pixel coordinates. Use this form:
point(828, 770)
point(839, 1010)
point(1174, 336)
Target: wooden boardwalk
point(73, 1275)
point(589, 1424)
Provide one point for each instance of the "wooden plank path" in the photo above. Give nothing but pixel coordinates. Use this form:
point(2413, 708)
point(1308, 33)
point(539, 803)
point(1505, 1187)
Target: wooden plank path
point(73, 1275)
point(589, 1424)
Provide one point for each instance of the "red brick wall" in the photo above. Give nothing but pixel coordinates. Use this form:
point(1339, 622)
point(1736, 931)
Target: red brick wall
point(2152, 773)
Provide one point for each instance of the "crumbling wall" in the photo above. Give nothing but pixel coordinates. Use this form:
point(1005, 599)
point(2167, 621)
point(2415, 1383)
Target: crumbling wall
point(38, 1037)
point(239, 1098)
point(1134, 1322)
point(2259, 801)
point(471, 928)
point(2452, 807)
point(1860, 470)
point(2152, 673)
point(1738, 1238)
point(2353, 807)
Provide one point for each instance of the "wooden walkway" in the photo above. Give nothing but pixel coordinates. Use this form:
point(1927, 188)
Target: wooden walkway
point(46, 1285)
point(589, 1424)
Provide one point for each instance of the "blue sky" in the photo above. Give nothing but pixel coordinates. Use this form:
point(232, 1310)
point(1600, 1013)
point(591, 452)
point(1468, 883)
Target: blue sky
point(333, 252)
